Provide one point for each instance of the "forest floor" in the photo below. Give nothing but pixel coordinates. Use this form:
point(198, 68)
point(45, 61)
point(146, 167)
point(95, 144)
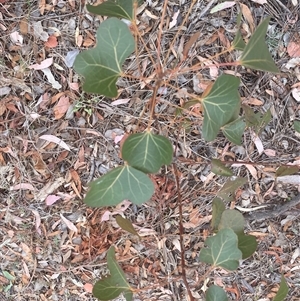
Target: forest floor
point(55, 139)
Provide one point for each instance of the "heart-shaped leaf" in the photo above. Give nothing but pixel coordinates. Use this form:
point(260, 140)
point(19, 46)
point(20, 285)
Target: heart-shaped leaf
point(232, 219)
point(123, 9)
point(219, 168)
point(147, 152)
point(222, 250)
point(215, 293)
point(256, 54)
point(247, 244)
point(283, 290)
point(121, 183)
point(112, 286)
point(101, 66)
point(234, 131)
point(220, 105)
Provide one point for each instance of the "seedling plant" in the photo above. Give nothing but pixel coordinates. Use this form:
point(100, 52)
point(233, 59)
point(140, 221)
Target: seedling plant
point(145, 152)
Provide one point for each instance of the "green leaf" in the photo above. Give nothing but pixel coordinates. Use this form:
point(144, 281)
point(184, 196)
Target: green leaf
point(147, 152)
point(247, 244)
point(238, 42)
point(112, 286)
point(190, 103)
point(257, 121)
point(219, 168)
point(123, 9)
point(8, 276)
point(297, 126)
point(283, 290)
point(218, 207)
point(232, 219)
point(215, 293)
point(256, 54)
point(286, 170)
point(228, 189)
point(121, 183)
point(220, 105)
point(125, 224)
point(107, 288)
point(101, 66)
point(222, 250)
point(234, 131)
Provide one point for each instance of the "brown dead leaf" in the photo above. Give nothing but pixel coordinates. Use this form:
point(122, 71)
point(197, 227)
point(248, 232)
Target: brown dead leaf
point(293, 49)
point(88, 42)
point(190, 43)
point(24, 26)
point(248, 16)
point(76, 179)
point(61, 107)
point(252, 101)
point(42, 6)
point(88, 287)
point(52, 42)
point(225, 42)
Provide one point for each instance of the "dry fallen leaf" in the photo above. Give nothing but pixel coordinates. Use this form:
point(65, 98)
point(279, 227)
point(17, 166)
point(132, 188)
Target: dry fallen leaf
point(51, 199)
point(54, 139)
point(61, 107)
point(44, 64)
point(248, 16)
point(51, 42)
point(68, 223)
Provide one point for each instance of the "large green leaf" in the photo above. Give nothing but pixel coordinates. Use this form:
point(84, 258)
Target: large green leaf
point(147, 152)
point(121, 183)
point(218, 207)
point(215, 293)
point(112, 286)
point(283, 290)
point(232, 219)
point(228, 189)
point(222, 250)
point(247, 244)
point(101, 66)
point(234, 131)
point(256, 54)
point(220, 105)
point(123, 9)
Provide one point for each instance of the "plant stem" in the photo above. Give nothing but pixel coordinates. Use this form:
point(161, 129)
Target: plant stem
point(181, 231)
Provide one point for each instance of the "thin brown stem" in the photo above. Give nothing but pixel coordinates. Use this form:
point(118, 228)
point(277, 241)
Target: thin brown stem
point(181, 232)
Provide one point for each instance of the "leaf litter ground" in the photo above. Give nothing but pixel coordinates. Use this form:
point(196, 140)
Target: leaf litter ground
point(55, 139)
